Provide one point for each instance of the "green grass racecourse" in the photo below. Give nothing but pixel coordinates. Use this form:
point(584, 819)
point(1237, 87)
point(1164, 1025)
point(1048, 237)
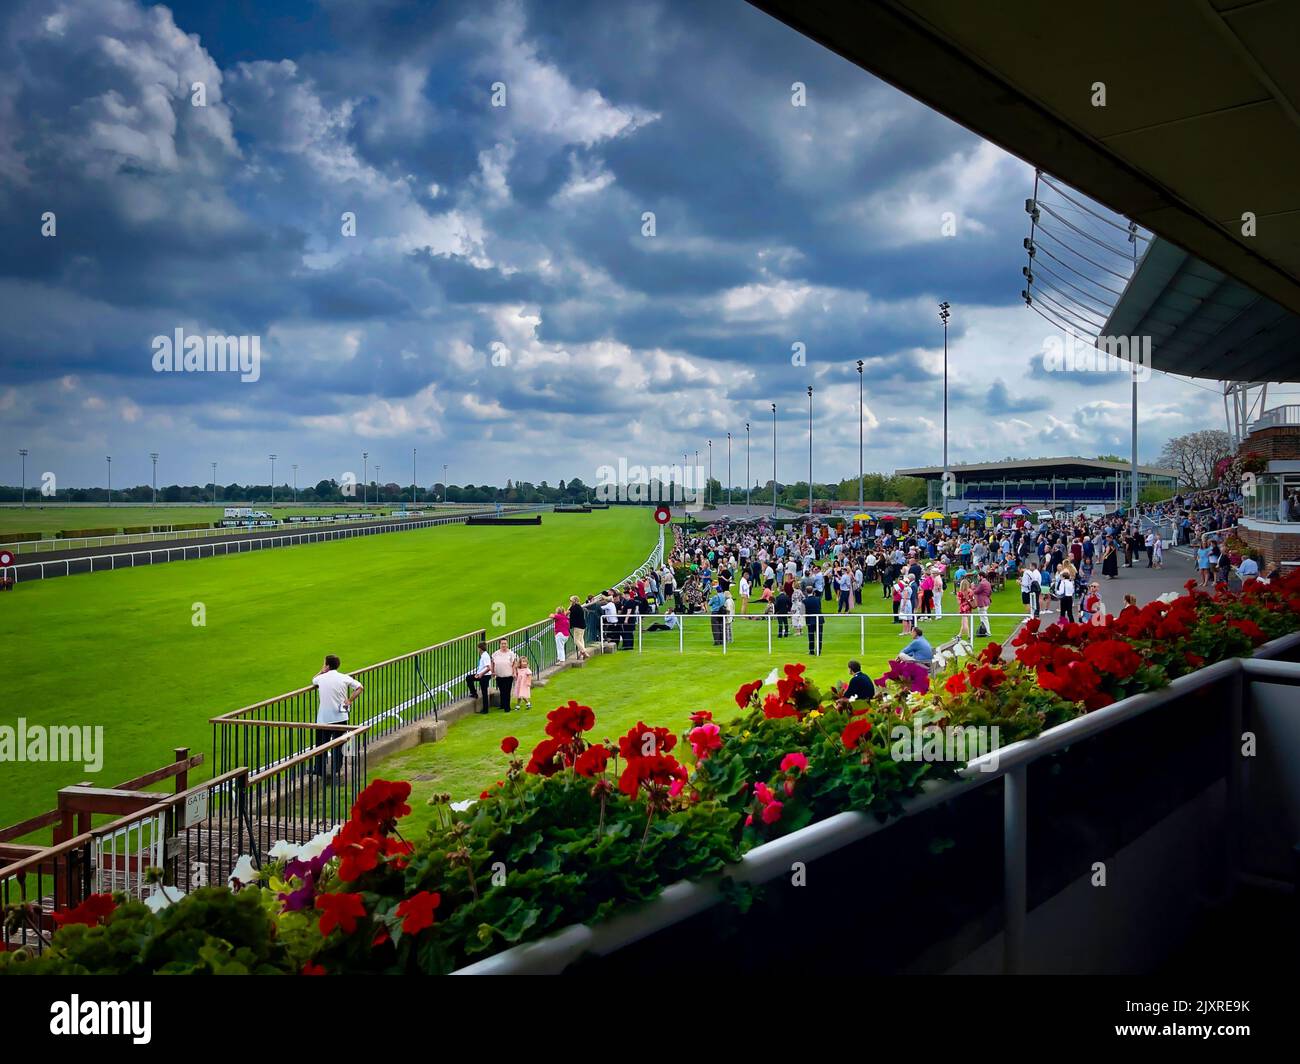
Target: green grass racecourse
point(118, 649)
point(661, 686)
point(49, 519)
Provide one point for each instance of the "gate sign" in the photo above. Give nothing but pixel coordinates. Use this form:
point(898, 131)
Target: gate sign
point(196, 808)
point(663, 515)
point(6, 557)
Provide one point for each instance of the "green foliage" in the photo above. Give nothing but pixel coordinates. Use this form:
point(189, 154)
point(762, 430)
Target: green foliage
point(210, 932)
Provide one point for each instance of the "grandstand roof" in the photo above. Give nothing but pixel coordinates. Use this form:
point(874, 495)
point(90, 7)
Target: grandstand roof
point(1070, 466)
point(1201, 122)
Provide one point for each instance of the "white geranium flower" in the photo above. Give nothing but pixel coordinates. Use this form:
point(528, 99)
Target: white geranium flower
point(245, 872)
point(460, 807)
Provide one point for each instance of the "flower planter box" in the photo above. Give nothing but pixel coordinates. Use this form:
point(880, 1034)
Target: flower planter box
point(1153, 798)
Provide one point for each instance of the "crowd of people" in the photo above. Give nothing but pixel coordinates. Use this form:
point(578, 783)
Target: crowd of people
point(802, 572)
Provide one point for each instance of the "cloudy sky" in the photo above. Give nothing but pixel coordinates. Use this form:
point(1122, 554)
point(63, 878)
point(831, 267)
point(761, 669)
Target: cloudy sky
point(501, 306)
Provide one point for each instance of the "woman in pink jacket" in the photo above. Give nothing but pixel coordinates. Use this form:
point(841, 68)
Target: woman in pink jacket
point(560, 618)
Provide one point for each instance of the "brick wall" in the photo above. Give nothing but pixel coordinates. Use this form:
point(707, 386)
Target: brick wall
point(1272, 546)
point(1281, 442)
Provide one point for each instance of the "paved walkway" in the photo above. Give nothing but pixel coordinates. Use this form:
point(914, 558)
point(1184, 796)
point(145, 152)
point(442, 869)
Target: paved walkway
point(1146, 584)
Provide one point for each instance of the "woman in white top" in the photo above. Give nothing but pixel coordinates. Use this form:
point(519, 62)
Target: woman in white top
point(744, 594)
point(729, 609)
point(797, 610)
point(937, 576)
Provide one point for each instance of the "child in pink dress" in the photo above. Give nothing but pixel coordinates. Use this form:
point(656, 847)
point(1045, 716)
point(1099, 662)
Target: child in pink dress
point(523, 689)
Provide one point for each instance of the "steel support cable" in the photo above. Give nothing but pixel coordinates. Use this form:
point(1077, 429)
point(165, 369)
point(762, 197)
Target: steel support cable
point(1106, 307)
point(1052, 321)
point(1078, 273)
point(1047, 232)
point(1070, 304)
point(1123, 253)
point(1067, 312)
point(1083, 207)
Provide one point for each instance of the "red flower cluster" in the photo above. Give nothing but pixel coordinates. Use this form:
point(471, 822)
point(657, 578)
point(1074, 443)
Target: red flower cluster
point(569, 721)
point(645, 741)
point(592, 761)
point(745, 695)
point(657, 770)
point(509, 745)
point(341, 911)
point(704, 740)
point(382, 804)
point(417, 911)
point(854, 731)
point(94, 910)
point(700, 716)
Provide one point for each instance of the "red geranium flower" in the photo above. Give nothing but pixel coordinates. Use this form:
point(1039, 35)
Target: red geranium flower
point(341, 911)
point(356, 857)
point(747, 692)
point(417, 911)
point(312, 968)
point(775, 707)
point(704, 740)
point(794, 761)
point(592, 761)
point(772, 812)
point(383, 802)
point(763, 793)
point(644, 738)
point(509, 744)
point(544, 760)
point(94, 910)
point(657, 771)
point(701, 716)
point(568, 721)
point(854, 731)
point(955, 684)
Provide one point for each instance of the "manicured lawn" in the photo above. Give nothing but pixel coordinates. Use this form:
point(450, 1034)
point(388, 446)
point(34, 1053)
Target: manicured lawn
point(54, 518)
point(659, 686)
point(118, 649)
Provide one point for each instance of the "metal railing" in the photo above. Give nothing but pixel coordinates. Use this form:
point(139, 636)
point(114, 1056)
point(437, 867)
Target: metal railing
point(398, 692)
point(1277, 417)
point(839, 633)
point(194, 838)
point(94, 563)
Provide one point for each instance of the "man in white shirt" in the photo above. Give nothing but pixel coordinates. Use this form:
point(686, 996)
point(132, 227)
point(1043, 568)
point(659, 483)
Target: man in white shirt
point(337, 691)
point(481, 677)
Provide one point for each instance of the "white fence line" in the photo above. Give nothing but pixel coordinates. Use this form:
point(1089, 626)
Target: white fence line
point(265, 543)
point(728, 628)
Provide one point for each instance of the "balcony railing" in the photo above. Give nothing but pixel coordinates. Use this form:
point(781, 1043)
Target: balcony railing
point(1278, 416)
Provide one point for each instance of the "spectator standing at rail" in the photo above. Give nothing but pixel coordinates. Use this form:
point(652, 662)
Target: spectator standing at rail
point(337, 691)
point(560, 622)
point(482, 676)
point(812, 607)
point(718, 617)
point(782, 606)
point(578, 626)
point(503, 667)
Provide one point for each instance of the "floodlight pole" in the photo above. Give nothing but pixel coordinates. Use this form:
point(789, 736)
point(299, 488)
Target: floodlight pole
point(1133, 457)
point(861, 479)
point(153, 455)
point(214, 483)
point(810, 449)
point(273, 458)
point(365, 479)
point(22, 453)
point(774, 465)
point(749, 480)
point(109, 460)
point(728, 468)
point(944, 311)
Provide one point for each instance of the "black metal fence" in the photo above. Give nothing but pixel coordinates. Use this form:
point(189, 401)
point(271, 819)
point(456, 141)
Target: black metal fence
point(398, 692)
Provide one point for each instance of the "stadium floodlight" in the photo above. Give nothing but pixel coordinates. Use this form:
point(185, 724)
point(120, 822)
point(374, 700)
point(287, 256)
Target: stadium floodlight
point(109, 460)
point(365, 478)
point(273, 458)
point(214, 483)
point(774, 464)
point(22, 453)
point(153, 456)
point(295, 483)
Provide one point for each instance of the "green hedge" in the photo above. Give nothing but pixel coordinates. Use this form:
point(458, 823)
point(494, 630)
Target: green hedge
point(135, 530)
point(22, 537)
point(80, 533)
